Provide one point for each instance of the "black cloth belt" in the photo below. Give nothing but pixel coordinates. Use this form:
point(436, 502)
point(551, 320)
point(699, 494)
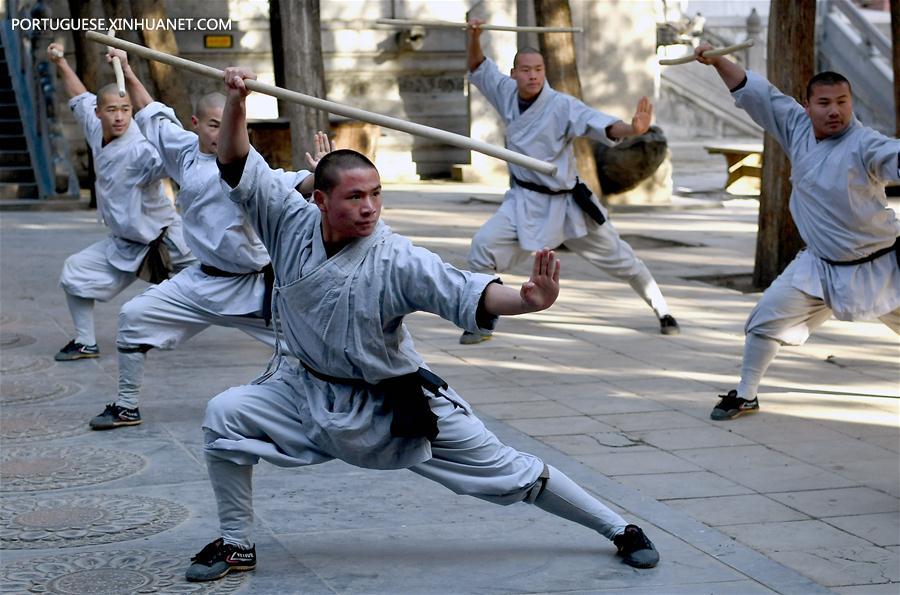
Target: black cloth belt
point(268, 274)
point(157, 264)
point(403, 396)
point(878, 254)
point(580, 192)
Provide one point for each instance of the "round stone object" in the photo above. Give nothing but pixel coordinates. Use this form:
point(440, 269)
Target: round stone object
point(67, 521)
point(110, 573)
point(38, 467)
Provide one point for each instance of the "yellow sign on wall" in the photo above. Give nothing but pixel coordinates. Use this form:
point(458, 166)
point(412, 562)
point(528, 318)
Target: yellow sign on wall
point(218, 42)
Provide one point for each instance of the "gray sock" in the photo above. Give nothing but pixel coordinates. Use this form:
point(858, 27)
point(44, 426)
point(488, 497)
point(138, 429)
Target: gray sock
point(563, 497)
point(759, 352)
point(233, 486)
point(82, 311)
point(131, 376)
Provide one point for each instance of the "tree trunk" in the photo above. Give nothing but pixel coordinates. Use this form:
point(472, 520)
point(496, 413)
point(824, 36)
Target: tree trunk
point(301, 69)
point(895, 43)
point(169, 82)
point(87, 59)
point(791, 61)
point(562, 74)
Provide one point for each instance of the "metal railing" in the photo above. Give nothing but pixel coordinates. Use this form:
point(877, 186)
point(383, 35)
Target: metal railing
point(33, 83)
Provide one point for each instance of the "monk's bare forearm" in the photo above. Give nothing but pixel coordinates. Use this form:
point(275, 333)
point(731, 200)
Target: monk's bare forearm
point(234, 140)
point(474, 53)
point(500, 300)
point(140, 97)
point(730, 72)
point(71, 83)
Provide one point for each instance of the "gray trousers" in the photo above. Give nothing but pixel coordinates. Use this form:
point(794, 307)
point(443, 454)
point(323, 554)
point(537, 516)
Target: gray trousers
point(783, 316)
point(164, 317)
point(466, 458)
point(495, 249)
point(88, 276)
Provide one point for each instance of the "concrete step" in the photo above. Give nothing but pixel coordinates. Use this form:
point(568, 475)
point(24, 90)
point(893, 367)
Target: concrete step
point(10, 127)
point(9, 111)
point(13, 142)
point(18, 190)
point(18, 174)
point(14, 158)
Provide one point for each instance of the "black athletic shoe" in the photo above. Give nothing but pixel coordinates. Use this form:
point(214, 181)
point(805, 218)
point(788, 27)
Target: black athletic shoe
point(636, 550)
point(73, 351)
point(114, 416)
point(468, 338)
point(732, 406)
point(218, 559)
point(668, 325)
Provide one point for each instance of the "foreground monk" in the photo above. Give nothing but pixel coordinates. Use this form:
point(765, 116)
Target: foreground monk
point(230, 286)
point(144, 228)
point(851, 264)
point(544, 210)
point(364, 395)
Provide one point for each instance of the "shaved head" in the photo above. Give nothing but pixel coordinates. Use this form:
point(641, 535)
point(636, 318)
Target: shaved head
point(207, 103)
point(523, 51)
point(110, 91)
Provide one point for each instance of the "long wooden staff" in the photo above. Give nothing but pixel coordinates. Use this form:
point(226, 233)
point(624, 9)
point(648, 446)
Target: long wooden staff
point(711, 53)
point(485, 27)
point(117, 68)
point(450, 138)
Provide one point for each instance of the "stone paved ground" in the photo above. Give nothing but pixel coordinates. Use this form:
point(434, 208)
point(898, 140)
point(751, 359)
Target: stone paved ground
point(800, 498)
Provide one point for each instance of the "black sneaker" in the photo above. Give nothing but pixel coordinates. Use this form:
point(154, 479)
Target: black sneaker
point(732, 406)
point(636, 550)
point(668, 325)
point(114, 416)
point(468, 338)
point(218, 559)
point(73, 351)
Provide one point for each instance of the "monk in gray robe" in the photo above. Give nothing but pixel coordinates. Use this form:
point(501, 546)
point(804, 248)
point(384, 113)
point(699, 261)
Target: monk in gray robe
point(130, 202)
point(230, 286)
point(850, 267)
point(362, 393)
point(552, 210)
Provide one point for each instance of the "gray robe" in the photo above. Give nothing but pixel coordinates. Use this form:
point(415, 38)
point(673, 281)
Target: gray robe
point(130, 198)
point(545, 131)
point(215, 229)
point(343, 316)
point(838, 203)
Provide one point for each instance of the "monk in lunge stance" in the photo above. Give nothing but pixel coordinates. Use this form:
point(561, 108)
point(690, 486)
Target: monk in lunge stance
point(543, 210)
point(362, 393)
point(144, 229)
point(230, 286)
point(851, 264)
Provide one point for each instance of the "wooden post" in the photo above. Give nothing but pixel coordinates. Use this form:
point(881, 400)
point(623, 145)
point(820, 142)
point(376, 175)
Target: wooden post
point(298, 28)
point(791, 60)
point(562, 73)
point(169, 83)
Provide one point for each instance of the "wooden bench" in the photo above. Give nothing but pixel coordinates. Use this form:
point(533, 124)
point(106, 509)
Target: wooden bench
point(744, 162)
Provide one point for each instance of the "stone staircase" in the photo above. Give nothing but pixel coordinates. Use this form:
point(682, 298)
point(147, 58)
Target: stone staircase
point(16, 172)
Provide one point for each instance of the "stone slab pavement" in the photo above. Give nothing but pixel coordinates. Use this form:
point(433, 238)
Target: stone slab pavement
point(800, 498)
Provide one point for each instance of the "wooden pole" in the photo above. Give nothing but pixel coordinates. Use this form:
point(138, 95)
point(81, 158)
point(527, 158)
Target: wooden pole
point(711, 53)
point(117, 68)
point(332, 107)
point(485, 27)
